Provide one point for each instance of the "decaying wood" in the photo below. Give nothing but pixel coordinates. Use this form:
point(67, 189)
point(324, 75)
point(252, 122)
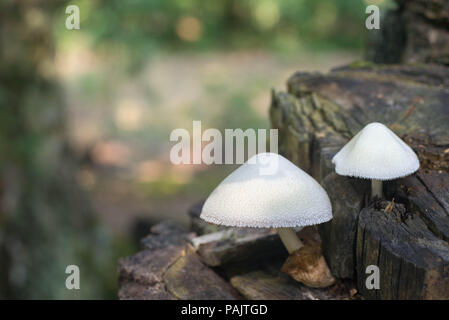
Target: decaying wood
point(233, 249)
point(240, 248)
point(319, 113)
point(188, 278)
point(273, 285)
point(414, 262)
point(166, 234)
point(347, 197)
point(169, 269)
point(177, 264)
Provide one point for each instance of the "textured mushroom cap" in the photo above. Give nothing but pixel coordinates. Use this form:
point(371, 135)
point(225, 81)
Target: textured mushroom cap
point(376, 153)
point(287, 198)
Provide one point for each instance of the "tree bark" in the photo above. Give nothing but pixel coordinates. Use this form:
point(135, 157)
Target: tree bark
point(319, 113)
point(234, 263)
point(416, 31)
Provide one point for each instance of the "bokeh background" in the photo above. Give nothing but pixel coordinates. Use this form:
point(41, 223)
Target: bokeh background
point(85, 117)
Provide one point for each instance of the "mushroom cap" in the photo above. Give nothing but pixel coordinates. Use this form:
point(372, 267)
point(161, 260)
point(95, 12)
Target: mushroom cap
point(376, 152)
point(288, 197)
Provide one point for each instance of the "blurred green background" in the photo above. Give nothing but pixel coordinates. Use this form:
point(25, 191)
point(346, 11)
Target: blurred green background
point(94, 108)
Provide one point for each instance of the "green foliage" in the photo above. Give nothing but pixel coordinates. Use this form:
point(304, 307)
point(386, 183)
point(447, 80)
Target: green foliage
point(139, 27)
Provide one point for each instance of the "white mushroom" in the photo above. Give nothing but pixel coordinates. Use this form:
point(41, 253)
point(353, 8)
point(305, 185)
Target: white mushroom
point(286, 198)
point(376, 153)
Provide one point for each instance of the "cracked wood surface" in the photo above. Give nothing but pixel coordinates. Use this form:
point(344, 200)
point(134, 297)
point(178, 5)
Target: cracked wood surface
point(414, 262)
point(170, 273)
point(168, 268)
point(319, 113)
point(270, 284)
point(236, 264)
point(235, 250)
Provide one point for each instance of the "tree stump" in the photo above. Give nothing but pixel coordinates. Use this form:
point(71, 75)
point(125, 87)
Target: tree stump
point(413, 261)
point(231, 263)
point(319, 113)
point(168, 268)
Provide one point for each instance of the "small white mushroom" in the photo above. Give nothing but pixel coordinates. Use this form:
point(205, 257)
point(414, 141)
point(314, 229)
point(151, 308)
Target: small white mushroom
point(286, 198)
point(376, 153)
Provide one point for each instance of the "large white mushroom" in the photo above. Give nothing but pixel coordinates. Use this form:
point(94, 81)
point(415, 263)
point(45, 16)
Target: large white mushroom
point(376, 153)
point(283, 197)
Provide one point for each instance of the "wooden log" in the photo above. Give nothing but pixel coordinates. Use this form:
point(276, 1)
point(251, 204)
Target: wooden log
point(320, 113)
point(413, 262)
point(166, 234)
point(272, 285)
point(240, 249)
point(420, 196)
point(148, 267)
point(188, 278)
point(231, 249)
point(170, 273)
point(169, 268)
point(427, 192)
point(136, 291)
point(338, 237)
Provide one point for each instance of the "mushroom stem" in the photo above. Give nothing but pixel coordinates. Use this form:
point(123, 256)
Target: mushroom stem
point(289, 239)
point(376, 189)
